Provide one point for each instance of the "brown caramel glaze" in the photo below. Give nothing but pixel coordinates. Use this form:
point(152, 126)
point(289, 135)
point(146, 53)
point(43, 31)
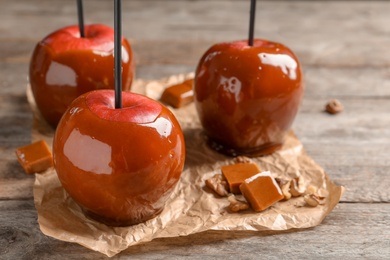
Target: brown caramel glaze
point(64, 66)
point(119, 165)
point(247, 97)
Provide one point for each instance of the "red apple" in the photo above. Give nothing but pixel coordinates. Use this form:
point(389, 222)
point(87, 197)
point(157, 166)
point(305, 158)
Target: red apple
point(64, 66)
point(119, 165)
point(248, 96)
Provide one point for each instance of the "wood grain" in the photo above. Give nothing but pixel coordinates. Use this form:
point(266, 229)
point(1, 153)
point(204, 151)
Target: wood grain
point(351, 231)
point(344, 49)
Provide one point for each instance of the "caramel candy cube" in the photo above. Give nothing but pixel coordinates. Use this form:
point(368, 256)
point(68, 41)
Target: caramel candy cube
point(261, 191)
point(235, 174)
point(35, 157)
point(179, 95)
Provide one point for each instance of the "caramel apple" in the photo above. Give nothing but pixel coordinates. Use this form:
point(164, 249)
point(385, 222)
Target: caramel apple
point(64, 66)
point(247, 96)
point(119, 165)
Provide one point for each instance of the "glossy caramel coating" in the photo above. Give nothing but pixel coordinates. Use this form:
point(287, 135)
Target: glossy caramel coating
point(120, 167)
point(247, 97)
point(64, 66)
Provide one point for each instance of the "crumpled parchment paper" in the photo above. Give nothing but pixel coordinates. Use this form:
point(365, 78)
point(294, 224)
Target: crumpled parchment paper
point(192, 207)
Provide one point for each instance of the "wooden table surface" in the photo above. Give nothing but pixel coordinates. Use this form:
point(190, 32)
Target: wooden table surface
point(344, 47)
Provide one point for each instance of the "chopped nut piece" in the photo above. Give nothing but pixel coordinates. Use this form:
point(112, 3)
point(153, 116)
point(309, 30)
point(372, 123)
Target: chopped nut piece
point(311, 190)
point(313, 200)
point(243, 159)
point(218, 184)
point(237, 205)
point(296, 187)
point(334, 106)
point(285, 187)
point(281, 181)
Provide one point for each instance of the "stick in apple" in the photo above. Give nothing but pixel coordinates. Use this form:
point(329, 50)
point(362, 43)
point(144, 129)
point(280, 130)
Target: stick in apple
point(252, 22)
point(118, 53)
point(80, 15)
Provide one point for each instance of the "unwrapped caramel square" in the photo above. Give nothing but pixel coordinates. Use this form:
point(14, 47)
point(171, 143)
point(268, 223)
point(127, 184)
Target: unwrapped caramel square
point(35, 157)
point(235, 174)
point(178, 95)
point(261, 191)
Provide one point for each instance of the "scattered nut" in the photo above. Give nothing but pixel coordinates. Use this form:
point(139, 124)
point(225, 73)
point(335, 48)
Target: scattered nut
point(313, 200)
point(310, 200)
point(281, 181)
point(334, 106)
point(218, 184)
point(311, 190)
point(286, 190)
point(242, 159)
point(237, 205)
point(285, 187)
point(296, 187)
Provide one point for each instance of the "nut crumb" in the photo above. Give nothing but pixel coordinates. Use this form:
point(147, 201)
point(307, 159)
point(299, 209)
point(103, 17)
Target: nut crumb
point(218, 184)
point(286, 190)
point(313, 200)
point(242, 159)
point(284, 185)
point(334, 106)
point(296, 187)
point(237, 205)
point(311, 190)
